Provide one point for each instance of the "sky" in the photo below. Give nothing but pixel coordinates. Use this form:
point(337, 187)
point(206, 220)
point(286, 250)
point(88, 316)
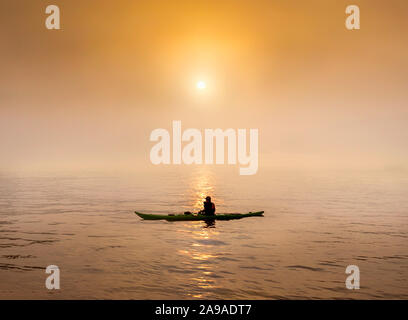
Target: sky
point(89, 95)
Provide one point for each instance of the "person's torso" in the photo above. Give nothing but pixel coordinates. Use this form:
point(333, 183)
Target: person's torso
point(208, 207)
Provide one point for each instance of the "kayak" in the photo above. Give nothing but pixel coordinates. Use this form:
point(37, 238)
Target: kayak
point(198, 217)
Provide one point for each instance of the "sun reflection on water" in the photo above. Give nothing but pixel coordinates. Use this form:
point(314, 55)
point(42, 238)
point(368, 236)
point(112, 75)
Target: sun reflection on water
point(201, 252)
point(201, 185)
point(200, 255)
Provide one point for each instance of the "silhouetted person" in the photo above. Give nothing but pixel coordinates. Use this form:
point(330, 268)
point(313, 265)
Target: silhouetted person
point(209, 207)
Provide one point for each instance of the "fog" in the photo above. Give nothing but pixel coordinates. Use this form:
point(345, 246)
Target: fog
point(87, 97)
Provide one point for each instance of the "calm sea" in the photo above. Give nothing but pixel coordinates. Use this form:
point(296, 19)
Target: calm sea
point(316, 224)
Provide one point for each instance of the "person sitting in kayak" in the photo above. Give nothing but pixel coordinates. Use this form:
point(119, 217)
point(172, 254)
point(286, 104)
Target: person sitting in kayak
point(209, 207)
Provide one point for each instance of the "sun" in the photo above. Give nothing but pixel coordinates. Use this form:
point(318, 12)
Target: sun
point(201, 85)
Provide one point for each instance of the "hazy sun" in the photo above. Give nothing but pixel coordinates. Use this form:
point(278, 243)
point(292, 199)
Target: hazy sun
point(201, 85)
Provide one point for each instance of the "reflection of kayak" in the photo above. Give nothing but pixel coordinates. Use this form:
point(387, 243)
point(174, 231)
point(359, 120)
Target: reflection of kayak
point(196, 217)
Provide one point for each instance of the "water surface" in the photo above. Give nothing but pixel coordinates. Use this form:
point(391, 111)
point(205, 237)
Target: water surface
point(315, 225)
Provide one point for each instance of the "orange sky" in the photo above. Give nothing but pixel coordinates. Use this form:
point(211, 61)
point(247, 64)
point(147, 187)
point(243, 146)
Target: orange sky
point(90, 94)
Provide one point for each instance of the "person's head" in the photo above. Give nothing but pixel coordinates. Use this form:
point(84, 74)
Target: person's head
point(208, 199)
